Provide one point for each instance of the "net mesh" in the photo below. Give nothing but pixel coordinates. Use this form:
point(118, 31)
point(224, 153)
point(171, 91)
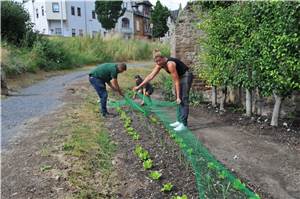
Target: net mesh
point(213, 179)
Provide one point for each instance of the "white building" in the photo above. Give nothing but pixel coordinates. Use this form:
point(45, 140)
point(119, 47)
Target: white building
point(73, 18)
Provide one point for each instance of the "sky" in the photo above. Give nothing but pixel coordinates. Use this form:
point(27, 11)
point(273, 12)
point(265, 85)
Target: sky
point(171, 4)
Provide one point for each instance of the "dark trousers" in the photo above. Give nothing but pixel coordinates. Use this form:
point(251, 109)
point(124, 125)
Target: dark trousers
point(185, 86)
point(99, 86)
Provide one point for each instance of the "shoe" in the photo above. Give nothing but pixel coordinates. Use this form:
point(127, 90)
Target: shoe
point(181, 127)
point(175, 124)
point(108, 115)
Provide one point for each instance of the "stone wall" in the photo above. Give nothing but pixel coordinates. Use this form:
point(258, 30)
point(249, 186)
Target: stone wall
point(184, 41)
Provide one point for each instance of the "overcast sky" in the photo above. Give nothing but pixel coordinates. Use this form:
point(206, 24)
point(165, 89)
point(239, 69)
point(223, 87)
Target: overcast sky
point(171, 4)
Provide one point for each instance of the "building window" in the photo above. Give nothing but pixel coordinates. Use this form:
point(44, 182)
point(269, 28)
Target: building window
point(73, 10)
point(73, 32)
point(80, 32)
point(78, 11)
point(55, 7)
point(125, 22)
point(58, 31)
point(37, 13)
point(43, 11)
point(93, 14)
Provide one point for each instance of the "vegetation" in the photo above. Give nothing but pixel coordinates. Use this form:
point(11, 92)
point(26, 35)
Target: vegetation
point(253, 45)
point(15, 22)
point(159, 17)
point(62, 53)
point(108, 13)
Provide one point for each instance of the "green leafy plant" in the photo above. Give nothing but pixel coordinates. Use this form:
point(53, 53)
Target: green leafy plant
point(148, 164)
point(136, 136)
point(238, 185)
point(190, 151)
point(141, 153)
point(155, 175)
point(167, 187)
point(180, 197)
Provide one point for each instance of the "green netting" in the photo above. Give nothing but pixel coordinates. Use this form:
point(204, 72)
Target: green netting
point(213, 179)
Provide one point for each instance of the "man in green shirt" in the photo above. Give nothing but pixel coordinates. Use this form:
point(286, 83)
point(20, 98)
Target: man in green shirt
point(103, 74)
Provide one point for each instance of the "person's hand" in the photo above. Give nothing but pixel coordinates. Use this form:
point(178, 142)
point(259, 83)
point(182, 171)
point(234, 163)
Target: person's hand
point(135, 88)
point(178, 101)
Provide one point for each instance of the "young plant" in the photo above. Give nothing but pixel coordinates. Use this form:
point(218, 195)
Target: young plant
point(190, 151)
point(147, 164)
point(138, 149)
point(167, 187)
point(180, 197)
point(136, 136)
point(155, 175)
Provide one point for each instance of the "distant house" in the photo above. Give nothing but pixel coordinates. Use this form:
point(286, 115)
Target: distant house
point(62, 17)
point(78, 18)
point(142, 12)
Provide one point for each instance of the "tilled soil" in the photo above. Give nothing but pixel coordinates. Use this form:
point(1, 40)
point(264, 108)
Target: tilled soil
point(164, 153)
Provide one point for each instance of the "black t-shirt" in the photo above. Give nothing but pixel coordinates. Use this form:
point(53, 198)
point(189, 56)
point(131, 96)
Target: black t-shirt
point(181, 68)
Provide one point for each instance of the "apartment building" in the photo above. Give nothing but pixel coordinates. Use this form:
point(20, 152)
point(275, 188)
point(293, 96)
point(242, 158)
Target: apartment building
point(78, 18)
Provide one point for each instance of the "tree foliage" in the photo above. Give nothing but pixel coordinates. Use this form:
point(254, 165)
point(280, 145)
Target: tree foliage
point(109, 12)
point(253, 45)
point(159, 17)
point(15, 22)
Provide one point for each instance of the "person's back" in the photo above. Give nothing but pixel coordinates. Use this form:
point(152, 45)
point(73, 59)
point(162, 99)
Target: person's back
point(105, 72)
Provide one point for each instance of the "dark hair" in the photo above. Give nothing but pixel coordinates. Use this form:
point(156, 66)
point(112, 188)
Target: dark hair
point(137, 77)
point(122, 66)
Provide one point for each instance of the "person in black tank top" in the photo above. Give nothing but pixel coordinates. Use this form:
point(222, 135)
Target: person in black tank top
point(182, 79)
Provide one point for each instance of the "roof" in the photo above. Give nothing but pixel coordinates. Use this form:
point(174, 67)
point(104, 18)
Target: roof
point(148, 3)
point(174, 14)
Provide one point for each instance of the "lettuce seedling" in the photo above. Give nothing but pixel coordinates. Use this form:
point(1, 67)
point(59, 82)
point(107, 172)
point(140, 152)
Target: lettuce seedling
point(167, 187)
point(148, 164)
point(136, 136)
point(180, 197)
point(155, 175)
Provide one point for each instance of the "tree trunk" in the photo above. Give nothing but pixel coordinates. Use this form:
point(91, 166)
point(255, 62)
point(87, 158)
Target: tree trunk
point(214, 96)
point(259, 103)
point(4, 88)
point(296, 121)
point(276, 110)
point(223, 99)
point(248, 103)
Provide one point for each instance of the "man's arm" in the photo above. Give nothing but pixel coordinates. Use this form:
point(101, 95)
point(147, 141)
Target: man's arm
point(172, 69)
point(115, 84)
point(111, 86)
point(149, 77)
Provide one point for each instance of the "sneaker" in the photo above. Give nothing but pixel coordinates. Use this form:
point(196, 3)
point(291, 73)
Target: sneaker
point(180, 127)
point(175, 124)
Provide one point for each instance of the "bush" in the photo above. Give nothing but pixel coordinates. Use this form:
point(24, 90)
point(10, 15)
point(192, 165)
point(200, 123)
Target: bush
point(15, 22)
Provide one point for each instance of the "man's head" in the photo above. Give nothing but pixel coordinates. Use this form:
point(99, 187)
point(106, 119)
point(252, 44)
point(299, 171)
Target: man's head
point(159, 59)
point(121, 67)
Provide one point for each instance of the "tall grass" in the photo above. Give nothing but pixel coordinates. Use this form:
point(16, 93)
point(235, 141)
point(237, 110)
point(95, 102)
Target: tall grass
point(62, 53)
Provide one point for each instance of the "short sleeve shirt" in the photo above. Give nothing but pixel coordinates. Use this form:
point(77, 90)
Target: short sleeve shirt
point(105, 72)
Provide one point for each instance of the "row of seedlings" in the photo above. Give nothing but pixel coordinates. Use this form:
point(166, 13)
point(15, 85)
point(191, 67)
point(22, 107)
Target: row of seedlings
point(144, 155)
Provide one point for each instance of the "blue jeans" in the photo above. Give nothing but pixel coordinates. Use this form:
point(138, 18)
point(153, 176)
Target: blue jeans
point(99, 86)
point(185, 86)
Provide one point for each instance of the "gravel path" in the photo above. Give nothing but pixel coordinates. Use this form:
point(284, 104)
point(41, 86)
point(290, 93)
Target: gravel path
point(36, 101)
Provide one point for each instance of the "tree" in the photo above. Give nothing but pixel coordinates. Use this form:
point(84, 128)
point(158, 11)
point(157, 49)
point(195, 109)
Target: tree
point(159, 17)
point(15, 21)
point(109, 12)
